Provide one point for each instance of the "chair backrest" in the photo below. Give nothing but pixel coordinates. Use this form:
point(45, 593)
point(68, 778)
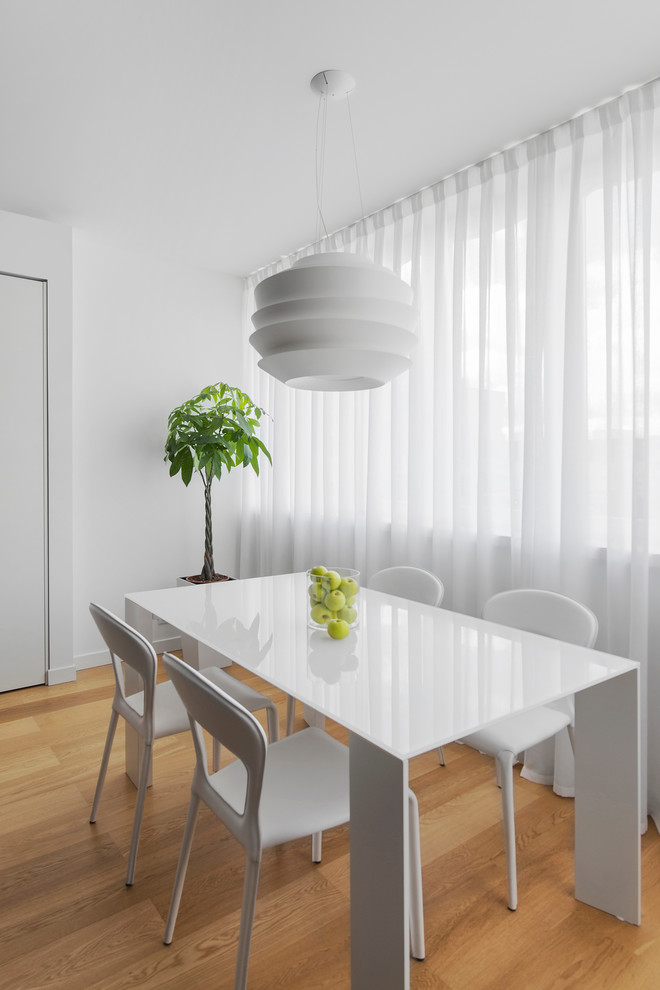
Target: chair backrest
point(128, 645)
point(235, 728)
point(544, 612)
point(413, 583)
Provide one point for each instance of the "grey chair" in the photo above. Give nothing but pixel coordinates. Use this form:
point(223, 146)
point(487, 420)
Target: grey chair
point(156, 711)
point(296, 787)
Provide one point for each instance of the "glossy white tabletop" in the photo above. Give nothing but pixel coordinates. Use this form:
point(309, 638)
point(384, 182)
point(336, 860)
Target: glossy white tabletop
point(409, 678)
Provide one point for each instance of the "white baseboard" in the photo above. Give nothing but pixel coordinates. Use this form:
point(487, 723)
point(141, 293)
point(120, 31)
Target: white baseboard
point(60, 675)
point(101, 657)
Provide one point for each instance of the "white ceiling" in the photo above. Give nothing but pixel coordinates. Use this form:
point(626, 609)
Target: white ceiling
point(187, 127)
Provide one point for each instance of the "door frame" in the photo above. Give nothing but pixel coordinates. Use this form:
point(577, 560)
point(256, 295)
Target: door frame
point(41, 250)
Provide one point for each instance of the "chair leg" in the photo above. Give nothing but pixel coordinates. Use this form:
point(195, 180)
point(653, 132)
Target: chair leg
point(290, 713)
point(317, 847)
point(114, 718)
point(216, 755)
point(417, 947)
point(505, 761)
point(250, 885)
point(273, 717)
point(145, 771)
point(571, 737)
point(182, 866)
point(441, 757)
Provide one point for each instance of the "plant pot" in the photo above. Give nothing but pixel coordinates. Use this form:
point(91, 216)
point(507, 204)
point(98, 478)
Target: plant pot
point(198, 579)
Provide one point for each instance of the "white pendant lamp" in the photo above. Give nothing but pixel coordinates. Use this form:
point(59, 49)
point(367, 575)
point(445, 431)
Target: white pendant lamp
point(334, 321)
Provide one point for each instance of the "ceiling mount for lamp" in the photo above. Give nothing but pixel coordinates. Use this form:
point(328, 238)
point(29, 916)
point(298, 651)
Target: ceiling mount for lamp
point(334, 321)
point(333, 83)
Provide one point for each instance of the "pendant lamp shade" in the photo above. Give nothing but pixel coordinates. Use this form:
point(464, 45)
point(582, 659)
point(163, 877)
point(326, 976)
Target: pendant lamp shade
point(334, 322)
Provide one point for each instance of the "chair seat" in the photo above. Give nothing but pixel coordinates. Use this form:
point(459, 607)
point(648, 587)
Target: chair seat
point(305, 788)
point(519, 732)
point(241, 692)
point(170, 715)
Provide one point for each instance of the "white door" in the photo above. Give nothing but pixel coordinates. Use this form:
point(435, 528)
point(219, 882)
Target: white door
point(23, 495)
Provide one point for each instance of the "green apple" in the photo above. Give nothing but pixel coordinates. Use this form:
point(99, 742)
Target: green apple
point(334, 600)
point(349, 586)
point(348, 614)
point(350, 599)
point(319, 569)
point(316, 592)
point(331, 580)
point(321, 615)
point(338, 629)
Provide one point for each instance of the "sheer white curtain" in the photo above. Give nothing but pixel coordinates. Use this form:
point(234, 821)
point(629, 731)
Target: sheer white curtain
point(523, 447)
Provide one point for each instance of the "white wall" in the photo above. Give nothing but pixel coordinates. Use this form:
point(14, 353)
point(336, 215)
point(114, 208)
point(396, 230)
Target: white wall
point(43, 250)
point(147, 335)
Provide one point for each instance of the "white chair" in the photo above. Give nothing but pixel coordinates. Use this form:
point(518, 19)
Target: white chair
point(155, 711)
point(558, 617)
point(268, 795)
point(415, 584)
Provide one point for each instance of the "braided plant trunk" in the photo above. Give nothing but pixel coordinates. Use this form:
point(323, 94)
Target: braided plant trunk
point(208, 569)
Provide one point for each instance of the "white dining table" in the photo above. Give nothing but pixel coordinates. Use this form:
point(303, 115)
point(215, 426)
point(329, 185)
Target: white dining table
point(408, 679)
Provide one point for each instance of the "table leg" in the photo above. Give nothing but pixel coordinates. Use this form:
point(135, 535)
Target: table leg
point(142, 621)
point(190, 650)
point(380, 939)
point(313, 718)
point(607, 797)
point(199, 656)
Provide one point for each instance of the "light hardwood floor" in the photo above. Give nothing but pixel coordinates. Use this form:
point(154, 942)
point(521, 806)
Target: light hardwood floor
point(67, 922)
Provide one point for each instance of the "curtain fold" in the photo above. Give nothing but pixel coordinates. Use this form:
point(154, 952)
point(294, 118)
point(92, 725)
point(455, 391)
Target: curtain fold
point(523, 447)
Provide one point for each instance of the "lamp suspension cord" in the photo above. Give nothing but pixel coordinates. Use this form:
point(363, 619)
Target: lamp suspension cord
point(355, 159)
point(320, 150)
point(321, 121)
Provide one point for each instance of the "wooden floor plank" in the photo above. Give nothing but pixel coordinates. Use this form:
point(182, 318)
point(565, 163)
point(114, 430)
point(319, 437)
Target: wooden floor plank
point(68, 921)
point(77, 959)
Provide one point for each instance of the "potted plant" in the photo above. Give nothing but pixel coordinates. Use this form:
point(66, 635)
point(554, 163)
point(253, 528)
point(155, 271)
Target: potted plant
point(211, 433)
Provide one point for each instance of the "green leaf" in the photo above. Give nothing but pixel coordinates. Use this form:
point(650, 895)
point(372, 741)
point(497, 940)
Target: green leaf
point(240, 419)
point(262, 447)
point(217, 464)
point(186, 467)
